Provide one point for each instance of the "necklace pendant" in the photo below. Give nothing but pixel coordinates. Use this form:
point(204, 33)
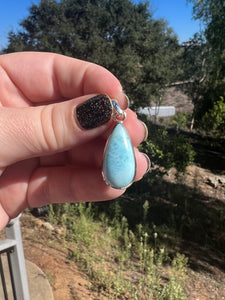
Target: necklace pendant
point(119, 164)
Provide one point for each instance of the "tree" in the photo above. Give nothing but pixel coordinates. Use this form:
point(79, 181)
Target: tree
point(211, 13)
point(210, 88)
point(117, 34)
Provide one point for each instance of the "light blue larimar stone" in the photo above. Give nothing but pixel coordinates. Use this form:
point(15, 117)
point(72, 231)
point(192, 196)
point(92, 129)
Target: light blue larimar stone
point(119, 165)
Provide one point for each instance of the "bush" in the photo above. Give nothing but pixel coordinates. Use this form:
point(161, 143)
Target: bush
point(214, 120)
point(168, 150)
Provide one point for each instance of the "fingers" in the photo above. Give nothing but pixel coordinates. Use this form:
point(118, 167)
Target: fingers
point(91, 153)
point(68, 184)
point(43, 130)
point(36, 131)
point(4, 218)
point(25, 184)
point(13, 186)
point(32, 77)
point(64, 184)
point(13, 189)
point(30, 128)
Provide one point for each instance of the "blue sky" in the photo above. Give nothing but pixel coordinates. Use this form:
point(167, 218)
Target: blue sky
point(179, 16)
point(176, 12)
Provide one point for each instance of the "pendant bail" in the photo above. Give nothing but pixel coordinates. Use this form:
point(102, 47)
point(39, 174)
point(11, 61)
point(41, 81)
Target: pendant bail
point(119, 115)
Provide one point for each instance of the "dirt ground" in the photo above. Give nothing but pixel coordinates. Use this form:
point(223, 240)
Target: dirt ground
point(41, 246)
point(44, 247)
point(174, 97)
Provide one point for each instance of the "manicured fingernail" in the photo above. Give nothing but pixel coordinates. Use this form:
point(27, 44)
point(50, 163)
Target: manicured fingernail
point(94, 112)
point(146, 130)
point(148, 161)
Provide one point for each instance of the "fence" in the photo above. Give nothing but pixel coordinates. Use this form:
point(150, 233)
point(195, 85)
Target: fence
point(13, 248)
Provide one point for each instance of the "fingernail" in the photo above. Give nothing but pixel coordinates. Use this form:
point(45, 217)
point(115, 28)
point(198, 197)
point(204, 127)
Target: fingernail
point(94, 112)
point(146, 130)
point(148, 161)
point(127, 101)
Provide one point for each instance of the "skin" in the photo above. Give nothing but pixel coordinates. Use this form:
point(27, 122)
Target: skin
point(45, 156)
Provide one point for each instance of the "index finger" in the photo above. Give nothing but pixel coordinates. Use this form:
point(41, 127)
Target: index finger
point(43, 77)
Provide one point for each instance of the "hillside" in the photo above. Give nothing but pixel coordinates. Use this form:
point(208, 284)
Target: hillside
point(203, 220)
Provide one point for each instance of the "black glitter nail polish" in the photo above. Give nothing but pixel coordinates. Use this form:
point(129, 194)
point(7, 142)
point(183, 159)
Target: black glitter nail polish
point(94, 112)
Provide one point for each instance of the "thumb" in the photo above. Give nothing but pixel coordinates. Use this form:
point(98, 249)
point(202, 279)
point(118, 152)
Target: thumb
point(43, 130)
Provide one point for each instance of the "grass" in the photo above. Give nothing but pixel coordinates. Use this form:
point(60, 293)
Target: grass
point(124, 263)
point(131, 247)
point(50, 277)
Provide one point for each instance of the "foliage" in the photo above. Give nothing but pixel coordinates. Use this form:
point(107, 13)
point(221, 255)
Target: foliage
point(207, 51)
point(173, 291)
point(118, 35)
point(214, 119)
point(179, 120)
point(121, 36)
point(168, 150)
point(110, 253)
point(211, 13)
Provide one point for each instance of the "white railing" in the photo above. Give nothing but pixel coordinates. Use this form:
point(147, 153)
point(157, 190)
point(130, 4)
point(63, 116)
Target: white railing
point(13, 247)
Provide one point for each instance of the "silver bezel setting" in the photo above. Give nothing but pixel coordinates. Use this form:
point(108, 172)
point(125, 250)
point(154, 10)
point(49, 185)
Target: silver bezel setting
point(119, 116)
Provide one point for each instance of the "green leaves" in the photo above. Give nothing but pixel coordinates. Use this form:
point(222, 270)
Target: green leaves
point(207, 71)
point(117, 34)
point(168, 150)
point(214, 119)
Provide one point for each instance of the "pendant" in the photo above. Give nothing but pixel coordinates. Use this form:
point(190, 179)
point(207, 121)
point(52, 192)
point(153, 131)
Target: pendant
point(119, 164)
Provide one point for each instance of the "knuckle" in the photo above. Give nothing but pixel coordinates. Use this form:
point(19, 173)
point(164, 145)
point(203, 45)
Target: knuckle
point(50, 134)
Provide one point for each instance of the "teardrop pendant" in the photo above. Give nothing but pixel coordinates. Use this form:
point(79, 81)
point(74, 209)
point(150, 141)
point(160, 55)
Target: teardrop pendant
point(119, 165)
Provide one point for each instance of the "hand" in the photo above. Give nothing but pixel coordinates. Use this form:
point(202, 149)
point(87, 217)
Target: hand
point(45, 155)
